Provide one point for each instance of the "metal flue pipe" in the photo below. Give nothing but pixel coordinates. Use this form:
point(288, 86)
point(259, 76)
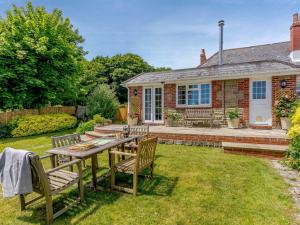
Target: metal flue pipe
point(221, 25)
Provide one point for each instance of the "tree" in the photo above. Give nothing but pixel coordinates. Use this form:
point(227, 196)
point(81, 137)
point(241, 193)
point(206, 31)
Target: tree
point(118, 68)
point(40, 57)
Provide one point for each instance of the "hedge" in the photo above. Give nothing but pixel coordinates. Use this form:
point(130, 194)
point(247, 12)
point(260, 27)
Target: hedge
point(39, 124)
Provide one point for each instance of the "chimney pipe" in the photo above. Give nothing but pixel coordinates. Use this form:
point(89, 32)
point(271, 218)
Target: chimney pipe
point(221, 25)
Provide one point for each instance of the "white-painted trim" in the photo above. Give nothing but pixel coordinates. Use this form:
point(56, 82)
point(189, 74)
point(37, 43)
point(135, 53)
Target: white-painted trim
point(268, 94)
point(186, 95)
point(153, 121)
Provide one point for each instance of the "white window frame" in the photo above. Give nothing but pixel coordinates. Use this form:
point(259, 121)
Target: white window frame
point(153, 104)
point(186, 105)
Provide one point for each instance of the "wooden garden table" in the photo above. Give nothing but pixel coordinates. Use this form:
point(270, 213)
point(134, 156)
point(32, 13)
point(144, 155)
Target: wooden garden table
point(91, 153)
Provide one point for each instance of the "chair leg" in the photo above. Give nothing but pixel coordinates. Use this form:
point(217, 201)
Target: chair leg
point(80, 183)
point(112, 178)
point(151, 170)
point(22, 202)
point(49, 209)
point(83, 162)
point(135, 183)
point(71, 167)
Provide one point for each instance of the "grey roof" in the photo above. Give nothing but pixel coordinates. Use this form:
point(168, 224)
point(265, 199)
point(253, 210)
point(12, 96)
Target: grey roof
point(216, 72)
point(276, 51)
point(261, 59)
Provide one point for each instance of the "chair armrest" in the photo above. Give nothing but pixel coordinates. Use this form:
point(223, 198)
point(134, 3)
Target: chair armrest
point(76, 161)
point(122, 153)
point(45, 156)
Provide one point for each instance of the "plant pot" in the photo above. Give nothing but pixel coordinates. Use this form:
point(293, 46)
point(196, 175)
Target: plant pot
point(285, 123)
point(233, 123)
point(132, 121)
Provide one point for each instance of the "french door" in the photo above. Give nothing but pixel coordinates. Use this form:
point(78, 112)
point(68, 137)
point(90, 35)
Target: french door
point(153, 104)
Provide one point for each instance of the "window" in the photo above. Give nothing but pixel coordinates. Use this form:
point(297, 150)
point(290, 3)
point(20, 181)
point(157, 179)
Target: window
point(259, 90)
point(148, 105)
point(181, 95)
point(158, 103)
point(194, 95)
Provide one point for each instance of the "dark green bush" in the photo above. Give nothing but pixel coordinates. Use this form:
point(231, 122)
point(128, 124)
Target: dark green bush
point(5, 130)
point(293, 154)
point(103, 101)
point(85, 126)
point(39, 124)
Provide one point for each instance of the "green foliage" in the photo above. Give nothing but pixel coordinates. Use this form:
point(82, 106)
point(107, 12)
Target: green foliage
point(285, 107)
point(293, 155)
point(113, 71)
point(174, 116)
point(39, 124)
point(103, 101)
point(5, 130)
point(40, 56)
point(233, 114)
point(85, 126)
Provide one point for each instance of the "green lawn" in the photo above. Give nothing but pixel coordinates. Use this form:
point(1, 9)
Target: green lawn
point(192, 185)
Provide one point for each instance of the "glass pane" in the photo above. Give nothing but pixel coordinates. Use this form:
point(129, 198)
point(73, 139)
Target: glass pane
point(259, 89)
point(193, 97)
point(158, 103)
point(205, 94)
point(181, 93)
point(148, 105)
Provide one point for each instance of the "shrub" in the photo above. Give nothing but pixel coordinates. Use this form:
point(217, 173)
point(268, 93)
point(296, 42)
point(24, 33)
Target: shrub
point(5, 130)
point(99, 119)
point(85, 126)
point(285, 107)
point(293, 154)
point(39, 124)
point(103, 101)
point(233, 114)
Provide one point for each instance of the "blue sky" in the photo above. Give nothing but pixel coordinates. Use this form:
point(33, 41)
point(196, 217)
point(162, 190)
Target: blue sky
point(172, 32)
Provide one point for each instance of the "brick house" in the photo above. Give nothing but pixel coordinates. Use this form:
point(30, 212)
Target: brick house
point(250, 78)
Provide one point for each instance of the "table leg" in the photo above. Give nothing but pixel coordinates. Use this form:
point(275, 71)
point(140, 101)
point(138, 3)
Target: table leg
point(52, 159)
point(123, 150)
point(109, 158)
point(94, 170)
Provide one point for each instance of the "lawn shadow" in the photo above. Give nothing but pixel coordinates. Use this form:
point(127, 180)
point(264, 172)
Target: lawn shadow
point(159, 185)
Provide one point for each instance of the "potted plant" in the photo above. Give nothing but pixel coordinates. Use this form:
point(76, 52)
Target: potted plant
point(173, 118)
point(233, 119)
point(284, 108)
point(132, 119)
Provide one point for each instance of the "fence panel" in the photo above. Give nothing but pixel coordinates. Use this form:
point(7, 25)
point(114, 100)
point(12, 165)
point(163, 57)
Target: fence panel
point(6, 117)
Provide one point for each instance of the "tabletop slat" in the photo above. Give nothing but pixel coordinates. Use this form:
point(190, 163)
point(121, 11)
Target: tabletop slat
point(95, 150)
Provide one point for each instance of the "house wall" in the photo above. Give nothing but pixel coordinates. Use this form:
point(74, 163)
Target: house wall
point(278, 92)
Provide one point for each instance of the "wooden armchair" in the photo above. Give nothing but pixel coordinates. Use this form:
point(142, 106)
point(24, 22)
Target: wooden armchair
point(143, 131)
point(51, 182)
point(135, 164)
point(65, 140)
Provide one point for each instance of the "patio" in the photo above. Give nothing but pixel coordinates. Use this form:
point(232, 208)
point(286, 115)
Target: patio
point(251, 141)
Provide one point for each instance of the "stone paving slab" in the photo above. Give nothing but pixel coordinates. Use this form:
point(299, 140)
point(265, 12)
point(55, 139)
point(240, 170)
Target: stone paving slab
point(244, 132)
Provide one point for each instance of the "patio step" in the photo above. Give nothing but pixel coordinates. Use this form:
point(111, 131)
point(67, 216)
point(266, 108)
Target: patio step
point(264, 150)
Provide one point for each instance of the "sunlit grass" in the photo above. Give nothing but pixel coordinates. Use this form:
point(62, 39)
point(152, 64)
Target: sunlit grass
point(192, 185)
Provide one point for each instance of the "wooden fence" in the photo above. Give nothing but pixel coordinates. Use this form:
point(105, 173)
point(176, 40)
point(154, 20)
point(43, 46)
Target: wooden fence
point(122, 114)
point(6, 117)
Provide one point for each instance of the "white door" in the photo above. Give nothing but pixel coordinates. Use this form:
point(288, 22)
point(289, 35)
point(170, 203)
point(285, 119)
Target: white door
point(260, 102)
point(153, 104)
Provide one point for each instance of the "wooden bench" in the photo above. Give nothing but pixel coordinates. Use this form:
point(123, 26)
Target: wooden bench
point(198, 116)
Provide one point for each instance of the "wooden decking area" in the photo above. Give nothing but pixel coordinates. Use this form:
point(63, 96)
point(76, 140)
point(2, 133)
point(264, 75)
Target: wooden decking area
point(265, 142)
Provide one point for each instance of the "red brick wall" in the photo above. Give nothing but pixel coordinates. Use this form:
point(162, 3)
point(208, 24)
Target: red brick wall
point(278, 92)
point(243, 101)
point(216, 87)
point(138, 99)
point(170, 96)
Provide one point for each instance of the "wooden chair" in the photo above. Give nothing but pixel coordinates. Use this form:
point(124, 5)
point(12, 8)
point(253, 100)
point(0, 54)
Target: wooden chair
point(137, 130)
point(65, 140)
point(135, 164)
point(51, 182)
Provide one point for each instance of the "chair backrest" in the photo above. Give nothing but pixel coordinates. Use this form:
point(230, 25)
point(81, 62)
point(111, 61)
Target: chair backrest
point(146, 153)
point(198, 113)
point(139, 130)
point(69, 139)
point(40, 182)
